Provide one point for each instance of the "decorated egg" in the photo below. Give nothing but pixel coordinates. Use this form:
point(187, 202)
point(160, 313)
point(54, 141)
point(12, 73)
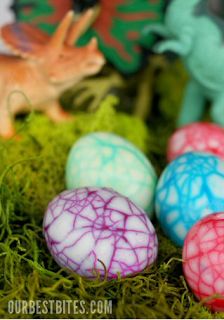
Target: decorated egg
point(203, 260)
point(191, 187)
point(106, 160)
point(94, 230)
point(202, 137)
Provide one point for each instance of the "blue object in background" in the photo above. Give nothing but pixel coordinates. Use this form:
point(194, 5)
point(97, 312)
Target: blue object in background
point(191, 187)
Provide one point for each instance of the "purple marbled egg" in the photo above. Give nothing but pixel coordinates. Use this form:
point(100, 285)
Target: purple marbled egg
point(89, 229)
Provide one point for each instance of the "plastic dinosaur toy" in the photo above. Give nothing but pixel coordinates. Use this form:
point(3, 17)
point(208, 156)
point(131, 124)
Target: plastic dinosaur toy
point(195, 30)
point(42, 67)
point(119, 30)
point(118, 26)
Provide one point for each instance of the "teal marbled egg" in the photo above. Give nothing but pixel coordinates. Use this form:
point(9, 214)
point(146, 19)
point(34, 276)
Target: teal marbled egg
point(106, 160)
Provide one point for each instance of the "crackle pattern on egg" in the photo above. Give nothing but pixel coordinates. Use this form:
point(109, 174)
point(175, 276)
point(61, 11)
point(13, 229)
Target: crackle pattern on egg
point(106, 160)
point(203, 260)
point(89, 229)
point(202, 137)
point(191, 187)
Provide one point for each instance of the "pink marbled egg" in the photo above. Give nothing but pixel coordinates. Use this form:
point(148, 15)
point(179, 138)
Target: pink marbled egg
point(90, 229)
point(203, 137)
point(203, 260)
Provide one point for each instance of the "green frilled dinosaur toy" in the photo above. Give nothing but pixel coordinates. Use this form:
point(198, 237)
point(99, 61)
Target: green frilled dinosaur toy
point(195, 30)
point(118, 25)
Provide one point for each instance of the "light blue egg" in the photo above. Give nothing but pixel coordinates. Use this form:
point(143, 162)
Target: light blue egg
point(191, 187)
point(106, 160)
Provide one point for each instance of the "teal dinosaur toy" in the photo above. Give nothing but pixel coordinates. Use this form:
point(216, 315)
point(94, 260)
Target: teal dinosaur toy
point(194, 29)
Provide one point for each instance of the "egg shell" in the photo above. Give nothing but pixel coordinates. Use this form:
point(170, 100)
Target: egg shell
point(89, 229)
point(203, 260)
point(106, 160)
point(199, 136)
point(191, 187)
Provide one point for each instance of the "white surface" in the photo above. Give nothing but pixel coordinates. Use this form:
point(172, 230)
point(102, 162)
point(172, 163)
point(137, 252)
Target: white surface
point(6, 16)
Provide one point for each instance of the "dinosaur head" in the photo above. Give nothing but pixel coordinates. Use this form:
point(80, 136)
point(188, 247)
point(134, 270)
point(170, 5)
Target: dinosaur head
point(180, 12)
point(67, 63)
point(214, 10)
point(73, 64)
point(57, 56)
point(185, 6)
point(191, 3)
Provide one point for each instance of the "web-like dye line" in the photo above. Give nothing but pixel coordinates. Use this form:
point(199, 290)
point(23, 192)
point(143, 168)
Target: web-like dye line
point(203, 137)
point(90, 163)
point(102, 227)
point(180, 179)
point(204, 269)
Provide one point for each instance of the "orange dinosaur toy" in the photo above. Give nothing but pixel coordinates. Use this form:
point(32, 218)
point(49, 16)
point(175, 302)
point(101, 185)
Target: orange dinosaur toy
point(42, 67)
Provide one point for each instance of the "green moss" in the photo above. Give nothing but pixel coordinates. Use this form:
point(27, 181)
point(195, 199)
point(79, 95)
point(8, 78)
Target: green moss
point(31, 174)
point(170, 87)
point(37, 162)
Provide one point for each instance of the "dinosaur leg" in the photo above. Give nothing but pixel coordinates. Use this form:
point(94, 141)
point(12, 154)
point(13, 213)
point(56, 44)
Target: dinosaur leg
point(171, 45)
point(7, 129)
point(158, 29)
point(217, 110)
point(193, 104)
point(181, 46)
point(57, 114)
